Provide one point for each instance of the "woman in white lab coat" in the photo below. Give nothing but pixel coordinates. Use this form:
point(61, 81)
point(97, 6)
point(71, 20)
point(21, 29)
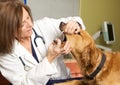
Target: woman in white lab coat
point(28, 55)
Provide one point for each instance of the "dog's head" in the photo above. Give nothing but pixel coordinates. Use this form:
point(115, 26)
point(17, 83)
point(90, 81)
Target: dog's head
point(81, 43)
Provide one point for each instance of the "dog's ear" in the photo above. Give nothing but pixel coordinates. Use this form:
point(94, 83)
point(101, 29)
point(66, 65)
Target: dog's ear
point(61, 26)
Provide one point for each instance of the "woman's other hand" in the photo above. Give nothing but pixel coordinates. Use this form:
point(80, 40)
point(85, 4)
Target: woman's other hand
point(55, 49)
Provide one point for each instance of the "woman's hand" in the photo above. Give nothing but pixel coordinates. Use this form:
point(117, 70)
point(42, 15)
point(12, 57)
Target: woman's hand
point(72, 27)
point(56, 49)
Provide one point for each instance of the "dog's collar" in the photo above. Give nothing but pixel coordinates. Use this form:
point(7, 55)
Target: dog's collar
point(91, 76)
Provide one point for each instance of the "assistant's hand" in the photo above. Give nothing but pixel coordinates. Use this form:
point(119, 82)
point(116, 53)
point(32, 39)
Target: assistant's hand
point(72, 27)
point(56, 49)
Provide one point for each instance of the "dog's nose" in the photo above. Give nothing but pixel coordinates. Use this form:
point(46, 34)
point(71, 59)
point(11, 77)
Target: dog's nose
point(61, 26)
point(79, 33)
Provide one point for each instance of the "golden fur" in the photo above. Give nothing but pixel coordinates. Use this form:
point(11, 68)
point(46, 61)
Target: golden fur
point(89, 56)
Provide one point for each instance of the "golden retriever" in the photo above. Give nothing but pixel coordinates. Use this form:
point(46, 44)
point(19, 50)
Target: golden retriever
point(98, 67)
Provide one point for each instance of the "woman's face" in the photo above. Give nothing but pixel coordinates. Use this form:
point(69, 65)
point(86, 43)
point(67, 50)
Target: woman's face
point(26, 30)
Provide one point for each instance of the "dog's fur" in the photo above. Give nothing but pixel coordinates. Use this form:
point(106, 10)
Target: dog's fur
point(89, 56)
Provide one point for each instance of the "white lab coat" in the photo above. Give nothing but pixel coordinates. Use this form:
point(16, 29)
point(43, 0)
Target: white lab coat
point(12, 68)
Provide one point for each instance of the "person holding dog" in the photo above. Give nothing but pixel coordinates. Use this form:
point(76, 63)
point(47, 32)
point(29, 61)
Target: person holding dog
point(28, 53)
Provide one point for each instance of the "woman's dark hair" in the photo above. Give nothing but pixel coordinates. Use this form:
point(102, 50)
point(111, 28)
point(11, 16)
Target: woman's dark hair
point(11, 13)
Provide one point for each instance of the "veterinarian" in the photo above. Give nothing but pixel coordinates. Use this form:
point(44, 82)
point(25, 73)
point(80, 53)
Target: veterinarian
point(28, 55)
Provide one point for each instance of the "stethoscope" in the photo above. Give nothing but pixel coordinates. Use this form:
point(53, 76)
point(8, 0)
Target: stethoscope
point(26, 67)
point(38, 36)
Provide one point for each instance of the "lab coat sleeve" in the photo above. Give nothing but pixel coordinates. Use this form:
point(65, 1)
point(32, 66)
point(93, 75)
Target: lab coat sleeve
point(75, 18)
point(13, 70)
point(56, 22)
